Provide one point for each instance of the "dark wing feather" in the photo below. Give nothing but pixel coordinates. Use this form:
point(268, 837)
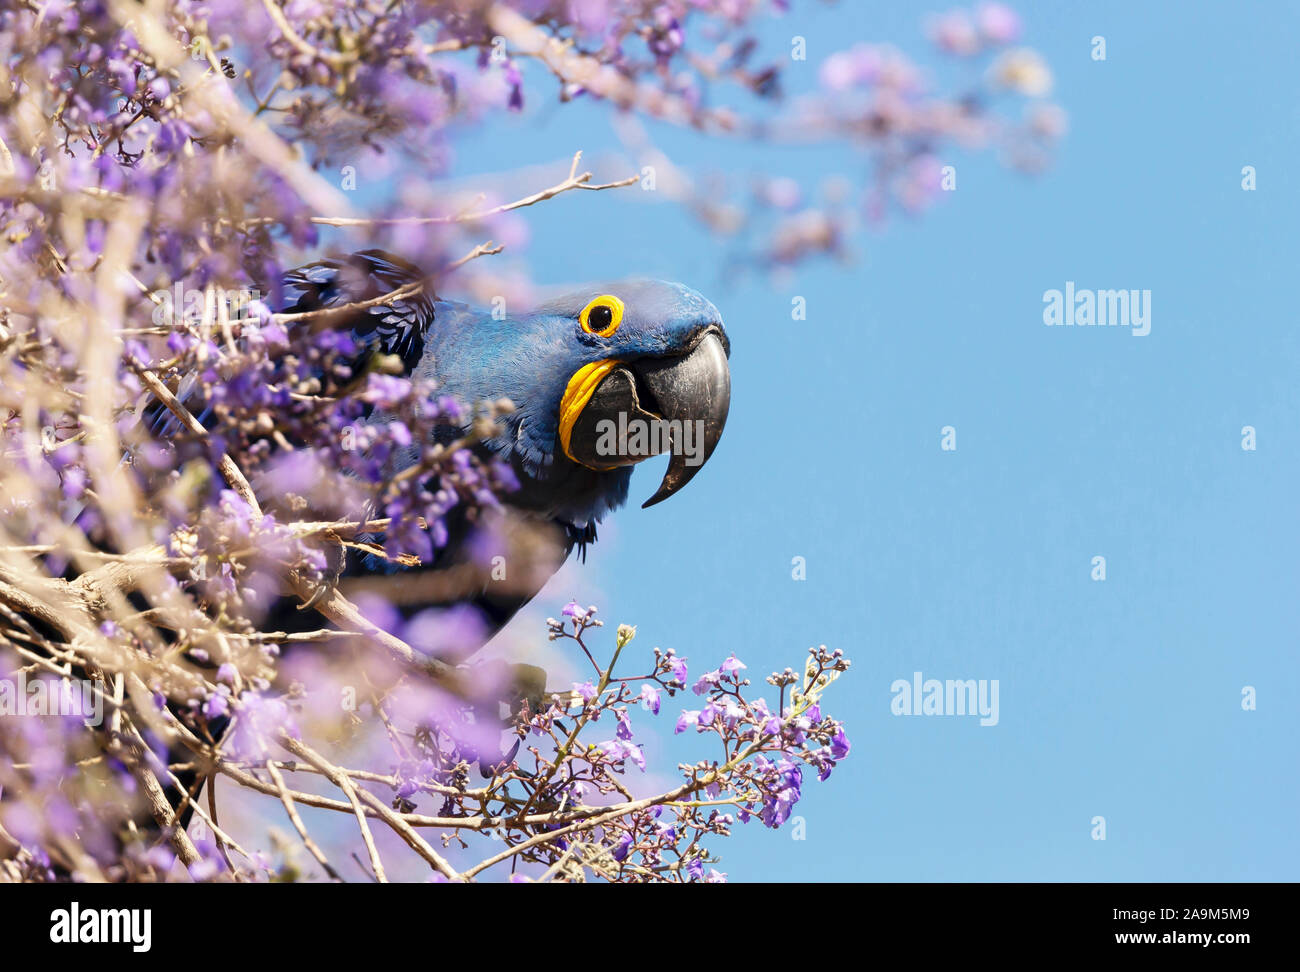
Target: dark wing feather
point(398, 328)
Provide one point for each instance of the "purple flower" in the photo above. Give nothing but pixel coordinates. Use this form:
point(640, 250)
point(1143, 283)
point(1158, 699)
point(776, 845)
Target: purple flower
point(259, 310)
point(399, 433)
point(123, 75)
point(217, 705)
point(621, 849)
point(383, 390)
point(839, 745)
point(706, 681)
point(204, 870)
point(618, 750)
point(797, 728)
point(450, 409)
point(447, 631)
point(776, 810)
point(650, 698)
point(586, 690)
point(172, 136)
point(731, 712)
point(505, 476)
point(160, 858)
point(689, 717)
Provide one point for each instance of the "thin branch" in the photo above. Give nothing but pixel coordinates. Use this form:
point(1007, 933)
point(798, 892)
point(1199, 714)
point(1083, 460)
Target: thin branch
point(298, 825)
point(343, 783)
point(483, 249)
point(232, 473)
point(573, 181)
point(341, 780)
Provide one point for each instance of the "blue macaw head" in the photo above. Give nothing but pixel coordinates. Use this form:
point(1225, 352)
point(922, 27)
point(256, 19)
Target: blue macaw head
point(602, 378)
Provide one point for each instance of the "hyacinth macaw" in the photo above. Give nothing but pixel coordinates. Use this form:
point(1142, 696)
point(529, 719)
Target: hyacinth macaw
point(644, 350)
point(574, 367)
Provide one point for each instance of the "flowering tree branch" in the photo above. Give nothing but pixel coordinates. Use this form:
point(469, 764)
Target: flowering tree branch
point(161, 165)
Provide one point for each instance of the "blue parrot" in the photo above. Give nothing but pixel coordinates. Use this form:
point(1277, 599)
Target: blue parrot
point(600, 380)
point(581, 370)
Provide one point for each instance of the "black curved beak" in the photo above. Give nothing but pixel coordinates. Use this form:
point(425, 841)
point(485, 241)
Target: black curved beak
point(650, 406)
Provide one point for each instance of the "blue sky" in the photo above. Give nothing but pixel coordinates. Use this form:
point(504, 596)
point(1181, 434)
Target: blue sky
point(1119, 698)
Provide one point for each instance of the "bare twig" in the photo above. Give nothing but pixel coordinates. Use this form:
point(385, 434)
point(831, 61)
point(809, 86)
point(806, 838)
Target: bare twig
point(574, 180)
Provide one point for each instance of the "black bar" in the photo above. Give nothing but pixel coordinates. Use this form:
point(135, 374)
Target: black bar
point(1011, 918)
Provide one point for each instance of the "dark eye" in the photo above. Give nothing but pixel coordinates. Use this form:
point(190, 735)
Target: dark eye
point(600, 317)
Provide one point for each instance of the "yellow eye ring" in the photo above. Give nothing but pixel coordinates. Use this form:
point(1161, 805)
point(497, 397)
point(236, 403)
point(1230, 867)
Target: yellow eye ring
point(602, 316)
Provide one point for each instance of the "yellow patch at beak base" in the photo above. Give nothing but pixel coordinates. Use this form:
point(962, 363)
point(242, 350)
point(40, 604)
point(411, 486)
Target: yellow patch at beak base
point(579, 391)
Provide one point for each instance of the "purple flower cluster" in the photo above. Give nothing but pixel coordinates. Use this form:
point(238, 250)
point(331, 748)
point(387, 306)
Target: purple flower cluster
point(765, 748)
point(770, 747)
